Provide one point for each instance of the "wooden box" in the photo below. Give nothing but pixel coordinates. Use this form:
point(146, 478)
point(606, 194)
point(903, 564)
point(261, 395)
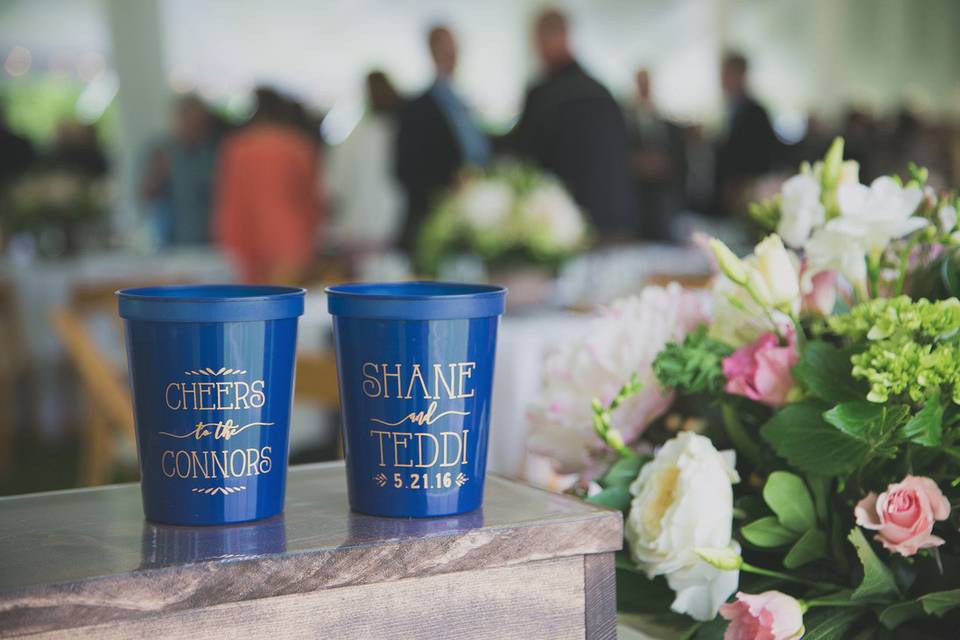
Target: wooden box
point(529, 564)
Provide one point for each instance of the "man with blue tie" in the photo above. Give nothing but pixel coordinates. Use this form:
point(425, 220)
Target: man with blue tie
point(437, 137)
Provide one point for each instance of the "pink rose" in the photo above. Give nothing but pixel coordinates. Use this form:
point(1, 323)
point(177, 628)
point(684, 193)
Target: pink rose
point(770, 615)
point(761, 370)
point(904, 514)
point(822, 295)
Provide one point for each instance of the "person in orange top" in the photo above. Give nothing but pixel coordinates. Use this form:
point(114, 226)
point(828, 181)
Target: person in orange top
point(268, 205)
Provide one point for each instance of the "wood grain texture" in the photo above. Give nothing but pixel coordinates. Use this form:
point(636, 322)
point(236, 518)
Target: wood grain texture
point(600, 596)
point(538, 600)
point(86, 557)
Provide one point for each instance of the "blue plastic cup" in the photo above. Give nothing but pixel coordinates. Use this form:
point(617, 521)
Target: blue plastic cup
point(211, 369)
point(415, 363)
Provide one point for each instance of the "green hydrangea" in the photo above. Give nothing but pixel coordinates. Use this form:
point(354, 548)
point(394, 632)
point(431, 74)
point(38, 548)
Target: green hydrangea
point(911, 347)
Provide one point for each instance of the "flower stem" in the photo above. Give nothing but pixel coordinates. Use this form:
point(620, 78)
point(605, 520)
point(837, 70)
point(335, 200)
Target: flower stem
point(873, 276)
point(902, 267)
point(832, 603)
point(760, 571)
point(603, 418)
point(738, 434)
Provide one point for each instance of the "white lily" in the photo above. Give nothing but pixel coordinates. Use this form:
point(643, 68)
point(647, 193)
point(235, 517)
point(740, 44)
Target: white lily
point(801, 210)
point(877, 214)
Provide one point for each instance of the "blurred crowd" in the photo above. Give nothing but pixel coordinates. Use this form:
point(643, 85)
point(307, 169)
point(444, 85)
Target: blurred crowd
point(273, 194)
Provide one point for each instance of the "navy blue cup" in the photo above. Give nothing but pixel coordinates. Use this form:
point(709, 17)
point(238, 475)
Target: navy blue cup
point(415, 365)
point(211, 369)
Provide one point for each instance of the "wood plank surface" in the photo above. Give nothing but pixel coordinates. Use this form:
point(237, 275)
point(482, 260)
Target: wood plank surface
point(600, 596)
point(87, 557)
point(537, 600)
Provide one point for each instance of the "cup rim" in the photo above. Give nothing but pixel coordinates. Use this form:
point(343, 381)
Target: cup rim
point(210, 303)
point(415, 300)
point(394, 290)
point(172, 293)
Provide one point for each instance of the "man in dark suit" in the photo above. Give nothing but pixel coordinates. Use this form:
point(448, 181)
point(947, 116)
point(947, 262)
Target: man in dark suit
point(572, 127)
point(437, 136)
point(657, 162)
point(750, 147)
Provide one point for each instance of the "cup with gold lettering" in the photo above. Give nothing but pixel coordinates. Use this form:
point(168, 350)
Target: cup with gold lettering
point(211, 370)
point(415, 367)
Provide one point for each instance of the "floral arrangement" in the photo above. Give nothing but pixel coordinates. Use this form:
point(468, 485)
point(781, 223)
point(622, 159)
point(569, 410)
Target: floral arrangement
point(512, 212)
point(785, 446)
point(52, 199)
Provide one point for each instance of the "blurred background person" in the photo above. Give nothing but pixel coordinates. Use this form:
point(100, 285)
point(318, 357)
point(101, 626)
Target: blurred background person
point(268, 200)
point(860, 136)
point(76, 149)
point(656, 162)
point(179, 175)
point(16, 152)
point(572, 127)
point(367, 199)
point(749, 147)
point(438, 136)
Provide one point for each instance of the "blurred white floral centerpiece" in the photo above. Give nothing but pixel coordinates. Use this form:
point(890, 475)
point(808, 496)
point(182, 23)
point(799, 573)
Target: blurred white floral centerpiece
point(510, 215)
point(785, 446)
point(55, 207)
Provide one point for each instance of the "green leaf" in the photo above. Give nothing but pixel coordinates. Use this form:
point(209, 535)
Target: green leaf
point(896, 614)
point(811, 546)
point(855, 418)
point(768, 532)
point(799, 434)
point(878, 584)
point(871, 632)
point(638, 594)
point(788, 497)
point(616, 497)
point(926, 427)
point(624, 471)
point(940, 602)
point(826, 371)
point(820, 487)
point(867, 421)
point(711, 630)
point(830, 623)
point(937, 604)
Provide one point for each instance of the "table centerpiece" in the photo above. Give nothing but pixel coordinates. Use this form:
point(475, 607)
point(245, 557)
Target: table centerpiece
point(784, 446)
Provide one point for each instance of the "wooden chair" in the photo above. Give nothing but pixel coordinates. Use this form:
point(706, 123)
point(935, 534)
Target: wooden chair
point(317, 379)
point(109, 411)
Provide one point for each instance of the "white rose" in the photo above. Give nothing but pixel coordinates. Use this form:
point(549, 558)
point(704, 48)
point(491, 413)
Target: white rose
point(683, 501)
point(800, 209)
point(774, 274)
point(485, 204)
point(877, 214)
